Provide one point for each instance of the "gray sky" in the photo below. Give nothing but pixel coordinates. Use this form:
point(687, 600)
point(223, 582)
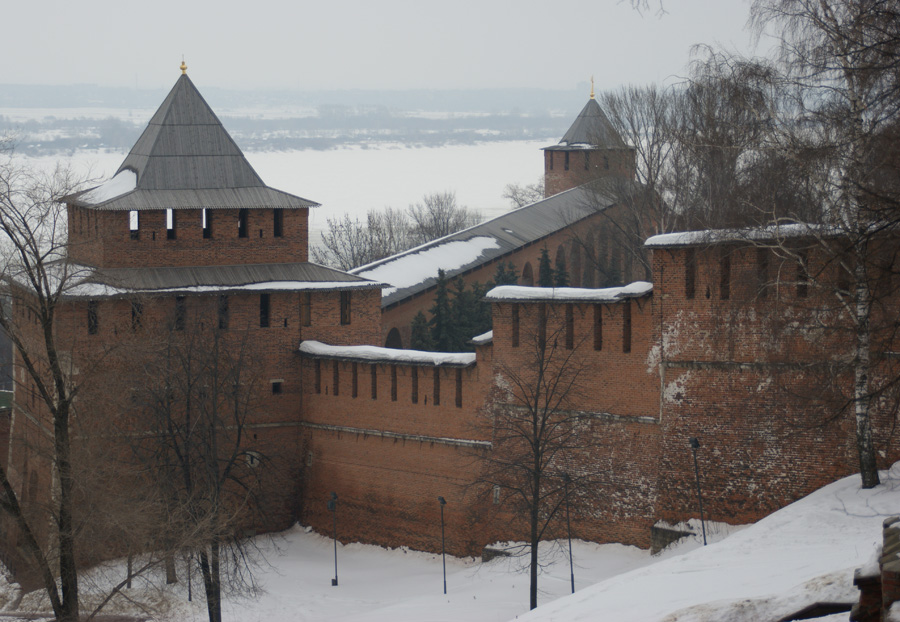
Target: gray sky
point(380, 44)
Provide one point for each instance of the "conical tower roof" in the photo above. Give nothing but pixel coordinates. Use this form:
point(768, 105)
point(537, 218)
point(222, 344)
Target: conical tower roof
point(185, 159)
point(591, 130)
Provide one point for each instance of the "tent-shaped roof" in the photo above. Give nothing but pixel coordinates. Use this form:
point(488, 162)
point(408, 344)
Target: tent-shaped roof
point(185, 159)
point(591, 130)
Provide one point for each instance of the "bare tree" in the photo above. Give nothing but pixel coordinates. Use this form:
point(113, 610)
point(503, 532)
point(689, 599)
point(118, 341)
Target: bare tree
point(438, 215)
point(520, 195)
point(541, 442)
point(199, 392)
point(349, 243)
point(839, 61)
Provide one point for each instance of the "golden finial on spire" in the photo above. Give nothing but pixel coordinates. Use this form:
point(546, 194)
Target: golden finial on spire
point(183, 66)
point(592, 87)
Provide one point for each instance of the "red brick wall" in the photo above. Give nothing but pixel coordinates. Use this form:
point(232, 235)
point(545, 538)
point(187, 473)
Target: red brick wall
point(103, 238)
point(745, 375)
point(557, 179)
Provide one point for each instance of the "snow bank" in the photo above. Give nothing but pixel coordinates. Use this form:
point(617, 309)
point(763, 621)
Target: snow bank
point(483, 338)
point(804, 553)
point(573, 294)
point(389, 355)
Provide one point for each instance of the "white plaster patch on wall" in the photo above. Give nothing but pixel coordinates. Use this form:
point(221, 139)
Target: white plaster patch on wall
point(675, 390)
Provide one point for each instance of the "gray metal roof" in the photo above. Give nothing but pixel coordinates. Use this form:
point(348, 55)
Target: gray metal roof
point(262, 277)
point(591, 129)
point(511, 231)
point(186, 159)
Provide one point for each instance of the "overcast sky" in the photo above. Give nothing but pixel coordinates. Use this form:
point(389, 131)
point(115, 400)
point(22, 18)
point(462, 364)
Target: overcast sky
point(372, 44)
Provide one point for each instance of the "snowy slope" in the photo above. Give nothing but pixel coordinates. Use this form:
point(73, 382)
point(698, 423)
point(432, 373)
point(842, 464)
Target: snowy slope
point(801, 554)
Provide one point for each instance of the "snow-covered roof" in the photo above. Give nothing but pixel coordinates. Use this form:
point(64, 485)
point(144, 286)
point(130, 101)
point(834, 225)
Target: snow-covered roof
point(185, 159)
point(755, 234)
point(590, 130)
point(88, 282)
point(370, 354)
point(518, 293)
point(415, 270)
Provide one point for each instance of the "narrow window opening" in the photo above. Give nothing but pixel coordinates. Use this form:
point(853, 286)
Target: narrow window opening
point(180, 312)
point(277, 387)
point(134, 222)
point(137, 310)
point(459, 378)
point(335, 379)
point(762, 272)
point(496, 495)
point(587, 160)
point(170, 224)
point(393, 383)
point(570, 326)
point(725, 276)
point(437, 387)
point(278, 223)
point(242, 223)
point(206, 217)
point(542, 326)
point(626, 327)
point(690, 273)
point(306, 308)
point(802, 274)
point(92, 319)
point(415, 384)
point(374, 373)
point(345, 308)
point(605, 163)
point(318, 374)
point(264, 302)
point(566, 163)
point(354, 380)
point(550, 159)
point(515, 325)
point(223, 312)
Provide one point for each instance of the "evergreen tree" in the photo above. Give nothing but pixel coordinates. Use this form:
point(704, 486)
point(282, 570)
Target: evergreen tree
point(560, 275)
point(463, 312)
point(441, 316)
point(545, 270)
point(421, 335)
point(482, 310)
point(506, 274)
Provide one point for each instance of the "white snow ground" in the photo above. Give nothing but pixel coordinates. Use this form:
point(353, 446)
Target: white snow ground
point(802, 554)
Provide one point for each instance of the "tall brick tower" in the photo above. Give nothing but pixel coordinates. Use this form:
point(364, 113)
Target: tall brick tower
point(591, 149)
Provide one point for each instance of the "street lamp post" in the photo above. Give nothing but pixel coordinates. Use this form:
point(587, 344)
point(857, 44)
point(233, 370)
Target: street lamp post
point(566, 480)
point(443, 555)
point(695, 445)
point(332, 507)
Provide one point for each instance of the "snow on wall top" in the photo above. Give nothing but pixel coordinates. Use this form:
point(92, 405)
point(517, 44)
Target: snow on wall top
point(483, 338)
point(717, 236)
point(318, 349)
point(417, 266)
point(519, 293)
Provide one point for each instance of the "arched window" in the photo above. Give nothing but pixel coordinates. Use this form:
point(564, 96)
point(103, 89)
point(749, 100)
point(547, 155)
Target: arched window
point(394, 340)
point(575, 276)
point(559, 266)
point(528, 275)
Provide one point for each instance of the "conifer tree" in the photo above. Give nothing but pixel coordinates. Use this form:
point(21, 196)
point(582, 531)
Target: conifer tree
point(441, 316)
point(420, 339)
point(545, 270)
point(506, 274)
point(560, 276)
